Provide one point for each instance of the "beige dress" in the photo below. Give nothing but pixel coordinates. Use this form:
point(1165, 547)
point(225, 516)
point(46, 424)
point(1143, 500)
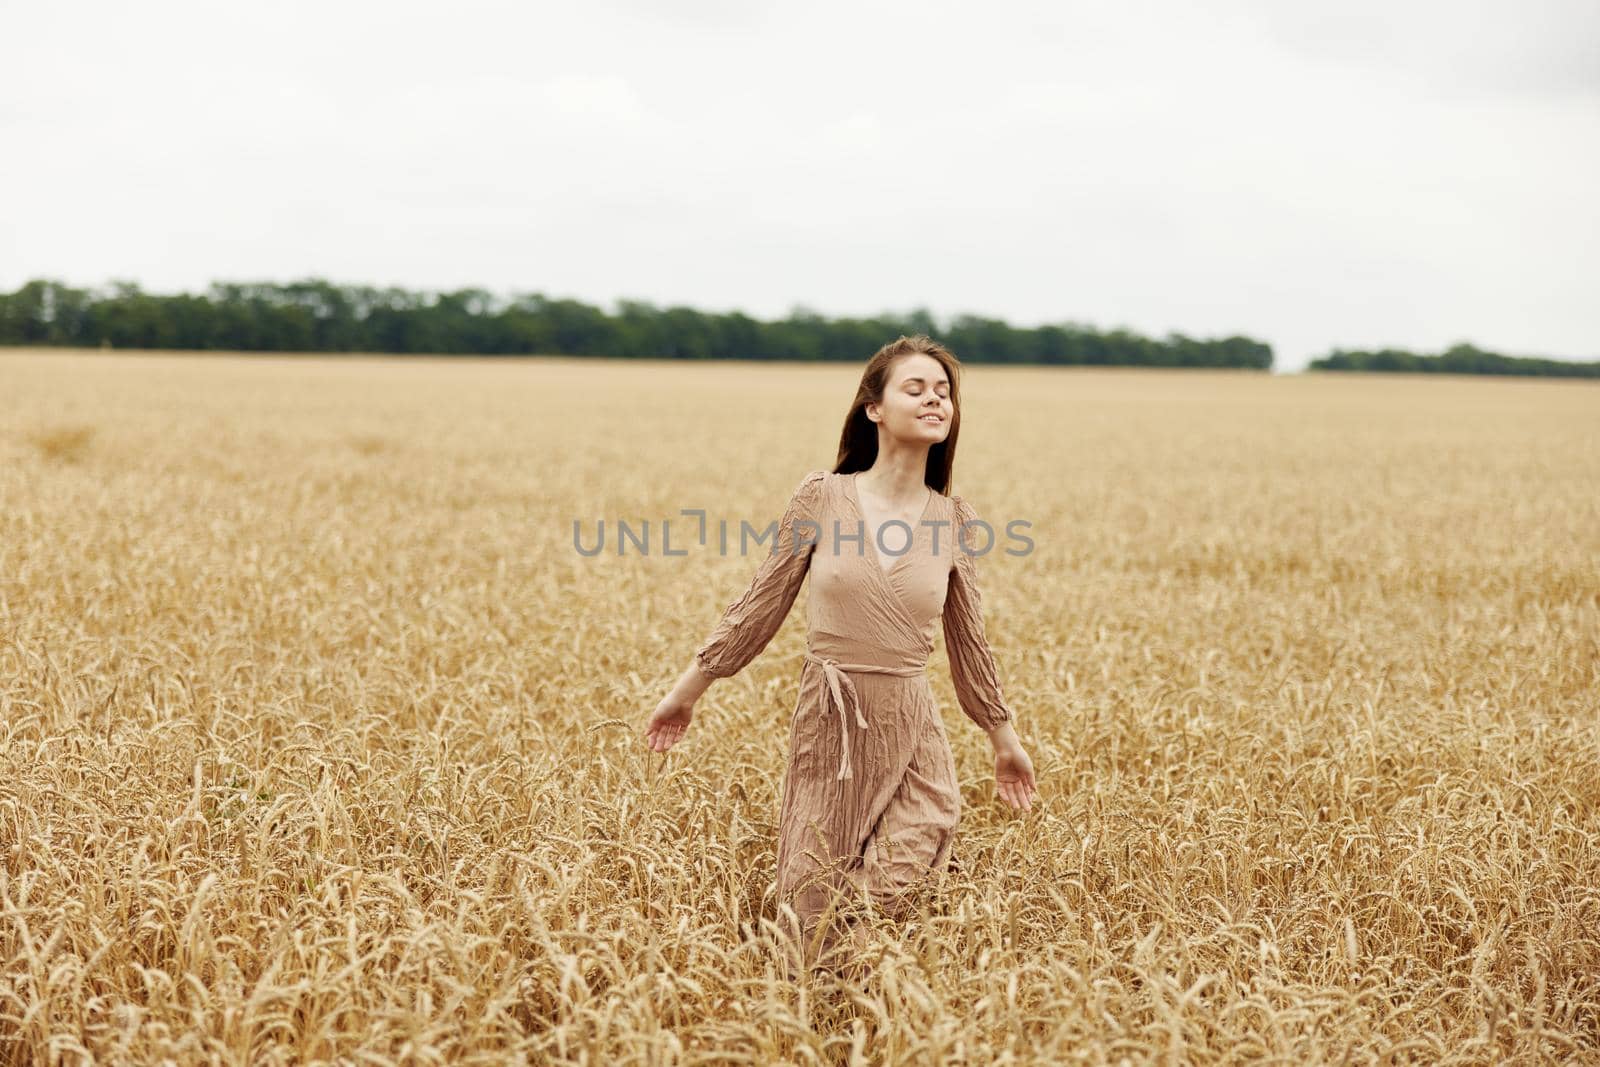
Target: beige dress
point(870, 799)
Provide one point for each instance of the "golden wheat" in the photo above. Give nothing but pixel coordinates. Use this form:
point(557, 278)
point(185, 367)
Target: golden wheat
point(320, 741)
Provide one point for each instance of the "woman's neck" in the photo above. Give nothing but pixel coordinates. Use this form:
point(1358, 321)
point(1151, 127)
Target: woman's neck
point(900, 477)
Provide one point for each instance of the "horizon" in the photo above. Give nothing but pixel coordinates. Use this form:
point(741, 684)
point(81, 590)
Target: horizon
point(1353, 178)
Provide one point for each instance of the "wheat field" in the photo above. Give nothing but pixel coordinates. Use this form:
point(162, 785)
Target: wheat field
point(321, 742)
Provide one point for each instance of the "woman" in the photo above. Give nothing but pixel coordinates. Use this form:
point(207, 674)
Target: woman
point(870, 799)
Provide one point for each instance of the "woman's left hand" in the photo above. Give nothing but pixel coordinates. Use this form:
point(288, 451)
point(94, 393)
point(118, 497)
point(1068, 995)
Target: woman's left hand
point(1013, 775)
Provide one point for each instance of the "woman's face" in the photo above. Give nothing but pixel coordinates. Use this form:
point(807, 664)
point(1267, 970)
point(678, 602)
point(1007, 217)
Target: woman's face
point(916, 404)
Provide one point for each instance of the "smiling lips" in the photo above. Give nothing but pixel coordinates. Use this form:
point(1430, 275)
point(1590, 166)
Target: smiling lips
point(930, 417)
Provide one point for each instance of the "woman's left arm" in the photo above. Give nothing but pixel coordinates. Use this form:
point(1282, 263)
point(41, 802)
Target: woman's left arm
point(972, 666)
point(973, 670)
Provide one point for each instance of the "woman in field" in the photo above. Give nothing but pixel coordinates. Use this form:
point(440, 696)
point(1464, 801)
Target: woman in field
point(870, 800)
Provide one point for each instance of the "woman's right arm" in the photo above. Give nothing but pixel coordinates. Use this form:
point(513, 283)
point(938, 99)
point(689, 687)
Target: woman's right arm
point(750, 621)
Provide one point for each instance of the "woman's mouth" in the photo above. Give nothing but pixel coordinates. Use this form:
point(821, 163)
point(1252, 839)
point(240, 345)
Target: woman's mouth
point(935, 419)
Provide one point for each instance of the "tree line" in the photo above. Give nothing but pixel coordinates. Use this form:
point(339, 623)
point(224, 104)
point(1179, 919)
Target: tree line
point(315, 315)
point(1458, 359)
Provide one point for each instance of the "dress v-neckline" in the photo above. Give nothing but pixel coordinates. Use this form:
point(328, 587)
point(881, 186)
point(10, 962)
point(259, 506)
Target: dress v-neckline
point(871, 539)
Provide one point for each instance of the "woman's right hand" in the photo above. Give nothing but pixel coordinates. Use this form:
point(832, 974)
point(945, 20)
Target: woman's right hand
point(668, 722)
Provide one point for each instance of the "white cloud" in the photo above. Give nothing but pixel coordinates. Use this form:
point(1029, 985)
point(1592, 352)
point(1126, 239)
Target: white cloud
point(607, 101)
point(1311, 175)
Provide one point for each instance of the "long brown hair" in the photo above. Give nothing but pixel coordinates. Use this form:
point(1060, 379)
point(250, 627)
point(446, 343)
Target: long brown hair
point(858, 444)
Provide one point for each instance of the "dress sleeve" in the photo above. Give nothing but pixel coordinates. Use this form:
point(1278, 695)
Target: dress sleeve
point(750, 622)
point(972, 668)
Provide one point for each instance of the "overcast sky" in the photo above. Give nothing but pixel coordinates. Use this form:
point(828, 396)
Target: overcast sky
point(1356, 174)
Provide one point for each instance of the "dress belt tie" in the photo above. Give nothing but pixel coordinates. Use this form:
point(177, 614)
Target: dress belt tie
point(837, 676)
